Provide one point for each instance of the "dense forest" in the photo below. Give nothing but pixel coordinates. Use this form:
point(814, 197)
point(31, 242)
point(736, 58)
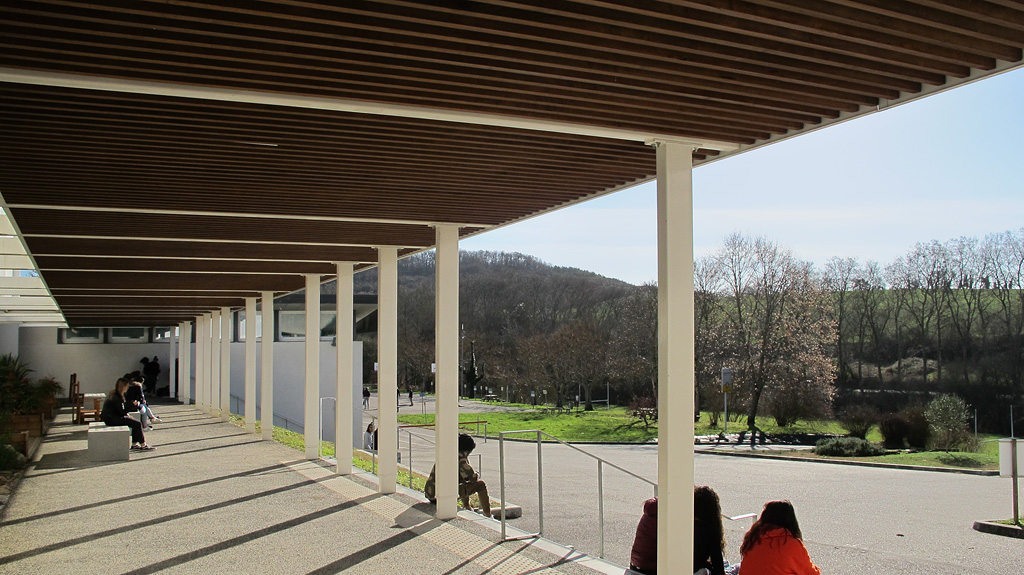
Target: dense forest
point(802, 342)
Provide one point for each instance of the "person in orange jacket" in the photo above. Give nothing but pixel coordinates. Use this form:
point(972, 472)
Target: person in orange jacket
point(774, 544)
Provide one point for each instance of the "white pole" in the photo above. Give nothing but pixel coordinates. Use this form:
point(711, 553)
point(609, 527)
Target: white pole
point(267, 365)
point(250, 365)
point(446, 341)
point(225, 363)
point(344, 407)
point(675, 353)
point(202, 382)
point(186, 362)
point(387, 367)
point(174, 347)
point(214, 356)
point(312, 403)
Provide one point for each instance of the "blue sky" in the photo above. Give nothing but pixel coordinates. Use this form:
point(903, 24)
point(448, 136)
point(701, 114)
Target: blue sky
point(945, 166)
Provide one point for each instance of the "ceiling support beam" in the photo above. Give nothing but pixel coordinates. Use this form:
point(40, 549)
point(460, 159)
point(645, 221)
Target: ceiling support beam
point(267, 365)
point(250, 365)
point(348, 419)
point(675, 352)
point(446, 353)
point(311, 425)
point(387, 368)
point(185, 371)
point(84, 82)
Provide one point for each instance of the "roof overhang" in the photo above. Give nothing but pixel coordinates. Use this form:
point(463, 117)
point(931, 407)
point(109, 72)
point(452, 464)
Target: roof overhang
point(163, 159)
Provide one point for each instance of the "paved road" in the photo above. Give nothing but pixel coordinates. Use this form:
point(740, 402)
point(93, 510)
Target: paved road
point(856, 520)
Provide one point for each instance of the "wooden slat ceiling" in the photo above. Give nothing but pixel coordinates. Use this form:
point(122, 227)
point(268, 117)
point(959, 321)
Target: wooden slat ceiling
point(160, 159)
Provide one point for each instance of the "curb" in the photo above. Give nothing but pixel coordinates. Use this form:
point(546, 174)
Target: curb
point(960, 470)
point(999, 529)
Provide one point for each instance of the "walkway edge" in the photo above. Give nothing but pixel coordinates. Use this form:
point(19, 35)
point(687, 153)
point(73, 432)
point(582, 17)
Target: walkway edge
point(960, 470)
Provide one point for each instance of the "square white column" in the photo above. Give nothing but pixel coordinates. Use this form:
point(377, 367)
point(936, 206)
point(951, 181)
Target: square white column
point(311, 427)
point(387, 368)
point(225, 363)
point(267, 365)
point(214, 347)
point(186, 362)
point(446, 351)
point(675, 354)
point(201, 361)
point(345, 411)
point(250, 365)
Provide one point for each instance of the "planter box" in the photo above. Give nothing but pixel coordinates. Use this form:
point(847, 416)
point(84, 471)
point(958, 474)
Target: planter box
point(33, 424)
point(19, 440)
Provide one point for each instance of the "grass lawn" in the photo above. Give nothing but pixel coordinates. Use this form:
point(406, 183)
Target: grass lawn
point(983, 461)
point(600, 425)
point(616, 425)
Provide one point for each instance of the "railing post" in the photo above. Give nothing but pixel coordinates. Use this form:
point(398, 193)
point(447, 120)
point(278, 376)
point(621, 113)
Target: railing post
point(409, 463)
point(540, 485)
point(600, 507)
point(501, 474)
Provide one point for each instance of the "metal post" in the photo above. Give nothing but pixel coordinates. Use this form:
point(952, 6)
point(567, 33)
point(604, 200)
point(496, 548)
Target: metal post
point(1013, 479)
point(600, 507)
point(540, 485)
point(501, 474)
point(409, 463)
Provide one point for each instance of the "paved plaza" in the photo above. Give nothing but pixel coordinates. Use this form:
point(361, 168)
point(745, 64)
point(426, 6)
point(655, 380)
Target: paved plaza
point(215, 499)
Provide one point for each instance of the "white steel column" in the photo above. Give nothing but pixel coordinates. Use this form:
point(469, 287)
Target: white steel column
point(174, 346)
point(446, 350)
point(387, 368)
point(250, 365)
point(267, 365)
point(225, 363)
point(312, 410)
point(186, 362)
point(344, 405)
point(675, 354)
point(214, 347)
point(208, 370)
point(201, 359)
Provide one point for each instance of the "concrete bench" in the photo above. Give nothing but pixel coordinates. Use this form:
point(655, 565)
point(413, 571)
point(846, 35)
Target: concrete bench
point(109, 443)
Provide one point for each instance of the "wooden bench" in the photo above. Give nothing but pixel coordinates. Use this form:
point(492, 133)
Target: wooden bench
point(109, 443)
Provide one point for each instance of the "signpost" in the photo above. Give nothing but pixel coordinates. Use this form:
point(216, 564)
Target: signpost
point(726, 388)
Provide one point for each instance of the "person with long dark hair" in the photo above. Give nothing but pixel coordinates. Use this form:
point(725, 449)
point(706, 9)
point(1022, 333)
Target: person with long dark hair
point(774, 545)
point(114, 413)
point(708, 533)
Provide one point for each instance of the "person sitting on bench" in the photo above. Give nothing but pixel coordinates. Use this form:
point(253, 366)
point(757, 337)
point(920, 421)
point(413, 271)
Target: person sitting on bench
point(135, 399)
point(469, 480)
point(114, 413)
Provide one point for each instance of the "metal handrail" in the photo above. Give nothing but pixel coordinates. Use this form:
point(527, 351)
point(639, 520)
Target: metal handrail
point(540, 483)
point(240, 408)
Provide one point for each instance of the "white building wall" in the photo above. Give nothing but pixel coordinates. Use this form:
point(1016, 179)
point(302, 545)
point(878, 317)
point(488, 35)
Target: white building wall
point(8, 338)
point(98, 365)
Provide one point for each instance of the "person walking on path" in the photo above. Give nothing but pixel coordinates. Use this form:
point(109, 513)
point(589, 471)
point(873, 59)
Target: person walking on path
point(366, 398)
point(150, 371)
point(114, 413)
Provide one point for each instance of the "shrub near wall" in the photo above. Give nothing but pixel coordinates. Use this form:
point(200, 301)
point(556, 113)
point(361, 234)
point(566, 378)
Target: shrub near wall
point(917, 427)
point(894, 429)
point(847, 447)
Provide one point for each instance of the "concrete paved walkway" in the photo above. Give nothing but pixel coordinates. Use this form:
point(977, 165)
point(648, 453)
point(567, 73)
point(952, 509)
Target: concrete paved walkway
point(212, 499)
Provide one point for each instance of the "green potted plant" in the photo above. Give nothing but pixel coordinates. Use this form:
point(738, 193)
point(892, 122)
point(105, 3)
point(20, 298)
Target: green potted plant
point(20, 400)
point(47, 389)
